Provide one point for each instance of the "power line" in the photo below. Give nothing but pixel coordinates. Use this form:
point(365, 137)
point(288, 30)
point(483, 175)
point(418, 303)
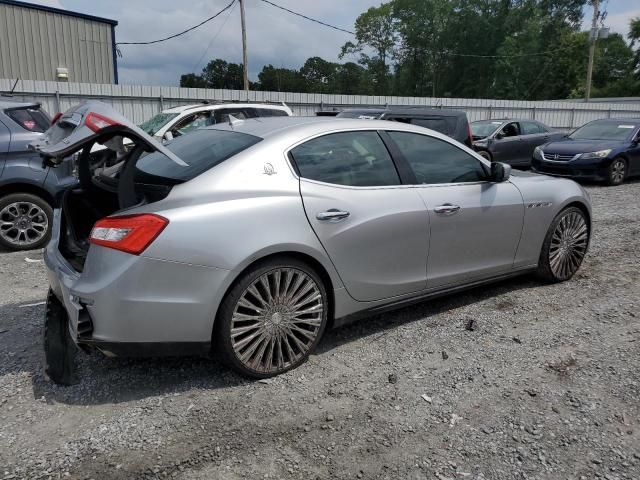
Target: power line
point(309, 18)
point(214, 38)
point(183, 32)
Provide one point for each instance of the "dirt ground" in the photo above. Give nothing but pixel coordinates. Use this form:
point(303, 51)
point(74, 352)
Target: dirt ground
point(547, 386)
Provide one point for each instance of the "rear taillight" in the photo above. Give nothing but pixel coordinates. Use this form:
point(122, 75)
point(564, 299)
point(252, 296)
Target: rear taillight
point(97, 122)
point(128, 233)
point(56, 117)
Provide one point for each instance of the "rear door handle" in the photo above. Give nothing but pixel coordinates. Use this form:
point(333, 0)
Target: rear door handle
point(332, 215)
point(446, 209)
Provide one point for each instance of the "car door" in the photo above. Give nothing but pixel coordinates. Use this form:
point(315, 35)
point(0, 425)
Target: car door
point(533, 135)
point(374, 229)
point(475, 224)
point(5, 140)
point(507, 144)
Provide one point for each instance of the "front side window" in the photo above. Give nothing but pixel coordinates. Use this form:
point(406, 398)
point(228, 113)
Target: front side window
point(357, 159)
point(436, 161)
point(222, 115)
point(270, 112)
point(511, 130)
point(192, 122)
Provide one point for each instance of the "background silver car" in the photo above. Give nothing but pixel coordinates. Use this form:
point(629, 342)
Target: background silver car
point(256, 235)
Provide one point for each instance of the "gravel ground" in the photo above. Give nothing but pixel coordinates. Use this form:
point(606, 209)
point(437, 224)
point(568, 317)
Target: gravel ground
point(545, 387)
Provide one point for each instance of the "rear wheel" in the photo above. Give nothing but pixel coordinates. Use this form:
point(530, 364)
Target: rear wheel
point(617, 172)
point(25, 221)
point(564, 246)
point(272, 319)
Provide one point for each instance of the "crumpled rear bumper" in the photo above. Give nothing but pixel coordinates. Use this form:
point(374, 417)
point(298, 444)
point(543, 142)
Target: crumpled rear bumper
point(132, 305)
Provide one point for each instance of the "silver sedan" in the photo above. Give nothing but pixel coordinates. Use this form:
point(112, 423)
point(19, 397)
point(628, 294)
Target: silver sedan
point(250, 238)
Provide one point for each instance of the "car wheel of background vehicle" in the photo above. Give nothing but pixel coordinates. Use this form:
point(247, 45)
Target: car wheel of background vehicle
point(485, 154)
point(59, 348)
point(617, 172)
point(565, 246)
point(272, 319)
point(25, 221)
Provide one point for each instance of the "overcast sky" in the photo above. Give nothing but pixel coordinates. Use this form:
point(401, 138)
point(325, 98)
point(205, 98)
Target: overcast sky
point(274, 36)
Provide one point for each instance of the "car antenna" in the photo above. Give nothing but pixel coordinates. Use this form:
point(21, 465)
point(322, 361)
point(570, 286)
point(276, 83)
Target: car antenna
point(15, 84)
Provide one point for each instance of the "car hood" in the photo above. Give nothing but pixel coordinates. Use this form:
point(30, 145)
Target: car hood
point(573, 147)
point(75, 129)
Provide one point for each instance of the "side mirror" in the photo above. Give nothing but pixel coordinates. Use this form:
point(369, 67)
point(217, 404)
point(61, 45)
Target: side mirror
point(499, 136)
point(500, 172)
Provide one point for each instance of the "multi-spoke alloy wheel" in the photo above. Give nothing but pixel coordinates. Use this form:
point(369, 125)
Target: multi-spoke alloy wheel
point(617, 171)
point(24, 222)
point(276, 319)
point(565, 246)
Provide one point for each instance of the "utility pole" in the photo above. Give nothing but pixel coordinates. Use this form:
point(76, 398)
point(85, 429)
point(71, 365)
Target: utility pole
point(245, 63)
point(593, 36)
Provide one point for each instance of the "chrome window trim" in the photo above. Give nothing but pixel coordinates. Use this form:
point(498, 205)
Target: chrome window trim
point(444, 138)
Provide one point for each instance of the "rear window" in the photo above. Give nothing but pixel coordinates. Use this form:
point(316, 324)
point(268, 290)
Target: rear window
point(31, 119)
point(201, 150)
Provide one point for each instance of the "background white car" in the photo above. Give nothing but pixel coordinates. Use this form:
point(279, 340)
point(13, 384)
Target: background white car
point(177, 121)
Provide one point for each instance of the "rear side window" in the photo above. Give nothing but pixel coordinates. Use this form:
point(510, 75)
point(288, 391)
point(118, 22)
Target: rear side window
point(31, 119)
point(530, 128)
point(201, 150)
point(357, 159)
point(436, 161)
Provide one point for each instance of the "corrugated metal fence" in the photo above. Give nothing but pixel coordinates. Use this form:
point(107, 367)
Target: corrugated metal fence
point(140, 102)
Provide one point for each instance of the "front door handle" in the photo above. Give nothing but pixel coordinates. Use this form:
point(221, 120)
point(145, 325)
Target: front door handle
point(332, 215)
point(446, 209)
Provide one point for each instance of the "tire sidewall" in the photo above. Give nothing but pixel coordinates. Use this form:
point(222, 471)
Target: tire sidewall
point(544, 265)
point(41, 203)
point(222, 327)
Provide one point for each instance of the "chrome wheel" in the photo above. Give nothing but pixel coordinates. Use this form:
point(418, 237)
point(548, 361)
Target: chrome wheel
point(277, 320)
point(618, 170)
point(568, 245)
point(23, 223)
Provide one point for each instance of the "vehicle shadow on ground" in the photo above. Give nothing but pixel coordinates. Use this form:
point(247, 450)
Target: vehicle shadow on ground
point(113, 380)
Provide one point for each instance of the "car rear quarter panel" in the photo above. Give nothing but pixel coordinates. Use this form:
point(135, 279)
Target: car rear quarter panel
point(544, 197)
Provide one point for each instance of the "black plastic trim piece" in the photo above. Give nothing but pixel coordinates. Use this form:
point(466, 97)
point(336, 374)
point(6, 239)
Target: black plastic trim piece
point(148, 349)
point(407, 175)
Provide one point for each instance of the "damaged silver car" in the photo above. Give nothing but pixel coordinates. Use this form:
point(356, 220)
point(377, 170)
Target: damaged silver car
point(250, 238)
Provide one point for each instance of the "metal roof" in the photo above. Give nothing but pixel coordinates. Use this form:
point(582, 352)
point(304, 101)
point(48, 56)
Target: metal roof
point(60, 11)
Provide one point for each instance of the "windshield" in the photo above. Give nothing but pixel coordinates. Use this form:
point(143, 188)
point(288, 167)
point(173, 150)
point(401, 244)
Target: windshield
point(201, 150)
point(484, 128)
point(154, 124)
point(361, 114)
point(606, 130)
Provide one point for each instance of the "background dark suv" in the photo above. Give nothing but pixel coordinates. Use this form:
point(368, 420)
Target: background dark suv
point(453, 123)
point(27, 190)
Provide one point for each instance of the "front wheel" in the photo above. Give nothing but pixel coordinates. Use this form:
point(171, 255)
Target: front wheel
point(272, 319)
point(617, 172)
point(564, 246)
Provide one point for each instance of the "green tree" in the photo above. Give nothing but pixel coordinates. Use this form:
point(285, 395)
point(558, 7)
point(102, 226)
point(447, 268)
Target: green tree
point(221, 74)
point(191, 80)
point(281, 80)
point(374, 31)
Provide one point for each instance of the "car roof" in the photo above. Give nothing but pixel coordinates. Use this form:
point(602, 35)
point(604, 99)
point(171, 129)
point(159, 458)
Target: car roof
point(503, 120)
point(215, 106)
point(265, 127)
point(410, 110)
point(617, 120)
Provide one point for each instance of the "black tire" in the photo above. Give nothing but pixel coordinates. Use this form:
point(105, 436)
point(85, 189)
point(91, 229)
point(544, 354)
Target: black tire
point(617, 172)
point(485, 154)
point(552, 269)
point(59, 348)
point(223, 342)
point(25, 199)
